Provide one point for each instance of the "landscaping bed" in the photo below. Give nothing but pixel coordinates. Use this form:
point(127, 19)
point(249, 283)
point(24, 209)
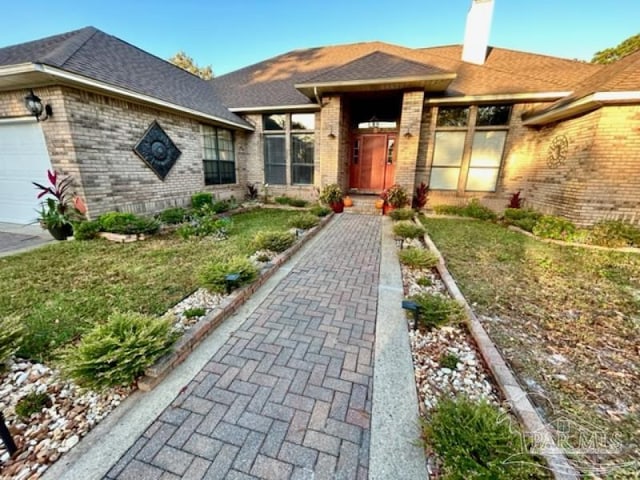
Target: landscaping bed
point(158, 277)
point(566, 320)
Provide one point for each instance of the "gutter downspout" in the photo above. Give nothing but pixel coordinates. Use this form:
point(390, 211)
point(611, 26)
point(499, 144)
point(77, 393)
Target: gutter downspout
point(318, 99)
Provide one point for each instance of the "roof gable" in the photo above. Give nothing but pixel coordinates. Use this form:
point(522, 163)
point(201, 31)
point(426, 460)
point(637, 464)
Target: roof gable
point(96, 55)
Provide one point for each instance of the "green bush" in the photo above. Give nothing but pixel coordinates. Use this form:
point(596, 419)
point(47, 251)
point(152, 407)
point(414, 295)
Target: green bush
point(221, 206)
point(477, 440)
point(298, 202)
point(274, 241)
point(11, 332)
point(127, 223)
point(437, 310)
point(424, 281)
point(201, 199)
point(449, 360)
point(473, 209)
point(282, 200)
point(117, 352)
point(407, 229)
point(401, 214)
point(449, 210)
point(204, 226)
point(172, 216)
point(194, 312)
point(304, 221)
point(523, 218)
point(615, 233)
point(212, 276)
point(417, 258)
point(32, 403)
point(320, 211)
point(558, 228)
point(86, 230)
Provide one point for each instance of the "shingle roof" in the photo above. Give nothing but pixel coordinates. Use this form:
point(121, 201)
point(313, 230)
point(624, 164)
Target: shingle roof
point(271, 82)
point(94, 54)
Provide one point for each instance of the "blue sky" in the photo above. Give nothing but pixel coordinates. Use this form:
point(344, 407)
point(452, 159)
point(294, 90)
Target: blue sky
point(234, 33)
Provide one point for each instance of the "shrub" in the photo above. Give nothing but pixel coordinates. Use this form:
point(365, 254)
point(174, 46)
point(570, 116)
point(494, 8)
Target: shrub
point(396, 196)
point(304, 221)
point(475, 209)
point(212, 276)
point(515, 201)
point(127, 223)
point(221, 206)
point(449, 360)
point(549, 226)
point(282, 200)
point(449, 210)
point(298, 202)
point(194, 312)
point(172, 216)
point(424, 281)
point(615, 233)
point(408, 230)
point(331, 193)
point(320, 211)
point(32, 403)
point(86, 230)
point(274, 241)
point(524, 218)
point(117, 352)
point(11, 332)
point(418, 258)
point(477, 440)
point(420, 197)
point(204, 225)
point(437, 310)
point(201, 199)
point(402, 214)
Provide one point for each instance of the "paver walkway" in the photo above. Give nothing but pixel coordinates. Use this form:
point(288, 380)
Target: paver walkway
point(289, 394)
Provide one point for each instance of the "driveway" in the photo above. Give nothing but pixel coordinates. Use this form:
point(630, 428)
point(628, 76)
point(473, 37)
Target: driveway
point(15, 238)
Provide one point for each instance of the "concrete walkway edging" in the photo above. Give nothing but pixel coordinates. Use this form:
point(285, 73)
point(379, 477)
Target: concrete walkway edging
point(514, 394)
point(394, 452)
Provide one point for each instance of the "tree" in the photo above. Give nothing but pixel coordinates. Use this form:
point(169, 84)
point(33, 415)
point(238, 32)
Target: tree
point(610, 55)
point(185, 62)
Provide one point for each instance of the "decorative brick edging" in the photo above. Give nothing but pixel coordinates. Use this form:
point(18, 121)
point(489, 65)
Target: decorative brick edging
point(504, 377)
point(197, 333)
point(513, 228)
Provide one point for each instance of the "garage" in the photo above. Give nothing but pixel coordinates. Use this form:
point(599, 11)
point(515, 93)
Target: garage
point(23, 159)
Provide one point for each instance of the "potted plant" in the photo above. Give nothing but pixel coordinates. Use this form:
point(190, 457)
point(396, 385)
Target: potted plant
point(58, 211)
point(394, 197)
point(332, 195)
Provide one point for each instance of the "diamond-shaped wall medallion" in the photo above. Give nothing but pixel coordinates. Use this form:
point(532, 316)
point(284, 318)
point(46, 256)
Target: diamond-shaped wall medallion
point(157, 150)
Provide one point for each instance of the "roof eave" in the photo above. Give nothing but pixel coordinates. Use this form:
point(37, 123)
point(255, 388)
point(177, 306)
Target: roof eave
point(24, 74)
point(434, 83)
point(580, 106)
point(498, 97)
point(307, 107)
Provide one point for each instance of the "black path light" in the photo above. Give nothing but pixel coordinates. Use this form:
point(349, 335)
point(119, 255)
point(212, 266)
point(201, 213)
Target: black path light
point(412, 306)
point(231, 281)
point(6, 437)
point(35, 107)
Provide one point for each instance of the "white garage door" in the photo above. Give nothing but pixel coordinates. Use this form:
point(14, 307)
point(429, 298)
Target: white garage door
point(23, 159)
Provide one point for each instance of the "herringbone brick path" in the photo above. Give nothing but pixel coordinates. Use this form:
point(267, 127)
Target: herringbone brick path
point(289, 395)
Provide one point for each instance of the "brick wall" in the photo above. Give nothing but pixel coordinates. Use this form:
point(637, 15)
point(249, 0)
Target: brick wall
point(409, 140)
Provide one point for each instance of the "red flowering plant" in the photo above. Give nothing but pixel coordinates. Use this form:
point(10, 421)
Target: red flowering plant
point(395, 195)
point(61, 208)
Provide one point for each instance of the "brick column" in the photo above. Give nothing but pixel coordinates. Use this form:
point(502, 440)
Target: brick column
point(409, 139)
point(330, 141)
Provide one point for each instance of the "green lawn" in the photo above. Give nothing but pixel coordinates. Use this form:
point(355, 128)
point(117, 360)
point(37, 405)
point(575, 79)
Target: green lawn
point(62, 289)
point(567, 320)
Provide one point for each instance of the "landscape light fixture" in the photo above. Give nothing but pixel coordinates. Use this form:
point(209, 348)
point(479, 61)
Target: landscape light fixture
point(36, 108)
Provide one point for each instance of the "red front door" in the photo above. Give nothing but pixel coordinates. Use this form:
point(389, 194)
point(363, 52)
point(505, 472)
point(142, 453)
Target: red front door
point(373, 159)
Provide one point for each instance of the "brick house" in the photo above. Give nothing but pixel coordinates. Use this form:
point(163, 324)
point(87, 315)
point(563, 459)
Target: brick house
point(471, 121)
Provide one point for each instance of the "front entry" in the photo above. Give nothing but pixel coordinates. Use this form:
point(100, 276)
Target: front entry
point(373, 159)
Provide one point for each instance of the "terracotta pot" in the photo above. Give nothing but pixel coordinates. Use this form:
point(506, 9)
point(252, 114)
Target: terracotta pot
point(348, 202)
point(61, 232)
point(337, 207)
point(379, 204)
point(387, 208)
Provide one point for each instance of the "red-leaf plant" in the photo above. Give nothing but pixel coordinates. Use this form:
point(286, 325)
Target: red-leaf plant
point(61, 207)
point(420, 198)
point(516, 201)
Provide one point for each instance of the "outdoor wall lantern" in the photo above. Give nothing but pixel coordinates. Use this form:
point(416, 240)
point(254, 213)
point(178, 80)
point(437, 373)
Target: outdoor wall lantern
point(35, 107)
